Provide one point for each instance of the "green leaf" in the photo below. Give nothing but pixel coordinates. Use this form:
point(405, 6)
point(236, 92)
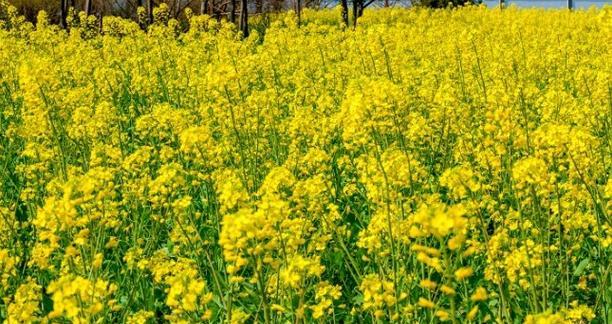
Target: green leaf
point(581, 266)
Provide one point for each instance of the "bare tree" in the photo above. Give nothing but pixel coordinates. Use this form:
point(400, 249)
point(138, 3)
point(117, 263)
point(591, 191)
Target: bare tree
point(358, 8)
point(233, 11)
point(88, 7)
point(345, 17)
point(63, 13)
point(150, 11)
point(298, 11)
point(244, 18)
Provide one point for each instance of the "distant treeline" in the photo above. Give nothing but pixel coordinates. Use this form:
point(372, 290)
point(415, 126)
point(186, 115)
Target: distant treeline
point(236, 11)
point(128, 8)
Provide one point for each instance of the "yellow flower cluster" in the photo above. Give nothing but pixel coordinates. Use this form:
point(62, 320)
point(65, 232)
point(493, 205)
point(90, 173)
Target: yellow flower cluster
point(78, 299)
point(575, 314)
point(425, 166)
point(24, 307)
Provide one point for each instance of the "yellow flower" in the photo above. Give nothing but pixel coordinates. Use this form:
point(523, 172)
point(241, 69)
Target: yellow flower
point(26, 302)
point(447, 290)
point(472, 313)
point(425, 303)
point(377, 294)
point(140, 317)
point(96, 263)
point(442, 315)
point(428, 284)
point(463, 273)
point(79, 299)
point(479, 295)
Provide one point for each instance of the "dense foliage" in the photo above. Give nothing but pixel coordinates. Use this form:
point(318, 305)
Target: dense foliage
point(427, 166)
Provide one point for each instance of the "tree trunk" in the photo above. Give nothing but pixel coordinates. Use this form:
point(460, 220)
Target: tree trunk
point(355, 12)
point(203, 7)
point(139, 4)
point(358, 7)
point(344, 4)
point(88, 7)
point(63, 13)
point(150, 11)
point(233, 11)
point(386, 3)
point(298, 10)
point(244, 18)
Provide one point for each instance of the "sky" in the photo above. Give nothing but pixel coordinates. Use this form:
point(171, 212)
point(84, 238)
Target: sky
point(551, 3)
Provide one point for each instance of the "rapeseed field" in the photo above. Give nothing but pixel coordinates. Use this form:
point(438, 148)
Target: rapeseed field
point(427, 166)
